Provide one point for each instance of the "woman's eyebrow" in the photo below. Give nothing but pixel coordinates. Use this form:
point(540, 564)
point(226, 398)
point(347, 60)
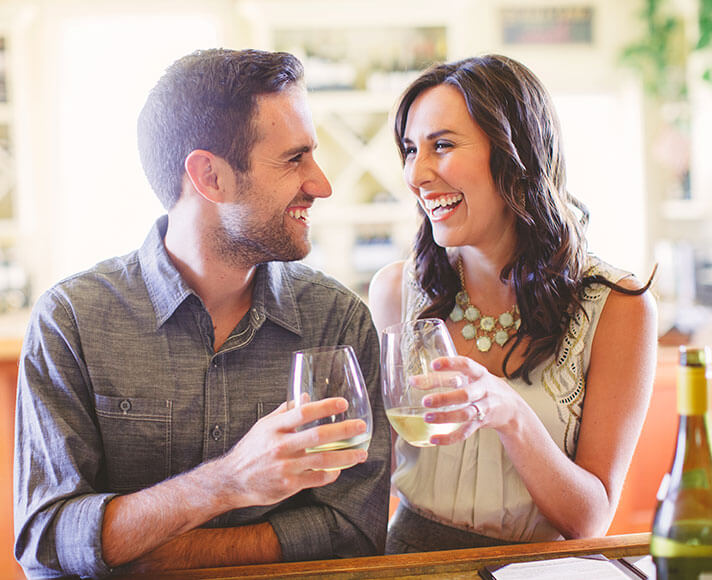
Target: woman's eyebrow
point(433, 135)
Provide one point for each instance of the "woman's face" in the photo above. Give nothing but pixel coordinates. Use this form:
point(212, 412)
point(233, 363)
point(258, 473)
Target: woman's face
point(447, 165)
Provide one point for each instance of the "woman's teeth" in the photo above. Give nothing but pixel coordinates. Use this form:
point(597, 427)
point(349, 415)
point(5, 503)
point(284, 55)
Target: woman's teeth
point(443, 201)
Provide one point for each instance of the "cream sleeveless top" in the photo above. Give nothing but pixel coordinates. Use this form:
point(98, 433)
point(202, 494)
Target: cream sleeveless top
point(472, 485)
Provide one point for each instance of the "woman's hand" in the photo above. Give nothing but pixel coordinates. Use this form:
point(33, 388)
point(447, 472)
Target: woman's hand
point(484, 400)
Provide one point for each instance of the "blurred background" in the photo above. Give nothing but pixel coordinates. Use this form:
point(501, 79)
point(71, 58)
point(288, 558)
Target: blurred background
point(631, 81)
point(628, 79)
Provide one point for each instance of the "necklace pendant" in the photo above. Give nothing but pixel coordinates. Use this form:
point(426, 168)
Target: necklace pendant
point(457, 314)
point(462, 299)
point(468, 332)
point(501, 337)
point(484, 343)
point(487, 324)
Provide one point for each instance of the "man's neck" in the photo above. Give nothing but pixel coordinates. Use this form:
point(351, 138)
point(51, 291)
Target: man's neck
point(225, 289)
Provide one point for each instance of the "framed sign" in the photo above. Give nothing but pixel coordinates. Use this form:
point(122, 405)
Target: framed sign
point(547, 25)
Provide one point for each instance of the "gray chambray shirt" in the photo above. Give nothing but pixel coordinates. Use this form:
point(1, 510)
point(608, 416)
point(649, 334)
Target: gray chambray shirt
point(119, 388)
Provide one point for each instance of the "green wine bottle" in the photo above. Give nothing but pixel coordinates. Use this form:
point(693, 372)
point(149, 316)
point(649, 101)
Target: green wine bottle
point(681, 543)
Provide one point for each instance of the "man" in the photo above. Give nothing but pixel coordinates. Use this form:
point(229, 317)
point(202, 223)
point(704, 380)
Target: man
point(146, 423)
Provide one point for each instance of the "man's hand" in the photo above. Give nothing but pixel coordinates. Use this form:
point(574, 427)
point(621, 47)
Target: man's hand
point(270, 462)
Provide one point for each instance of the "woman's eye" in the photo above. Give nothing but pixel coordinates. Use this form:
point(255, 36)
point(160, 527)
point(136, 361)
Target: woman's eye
point(408, 150)
point(440, 145)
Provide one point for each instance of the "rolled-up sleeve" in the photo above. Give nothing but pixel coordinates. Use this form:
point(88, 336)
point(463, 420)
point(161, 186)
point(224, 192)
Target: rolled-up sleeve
point(349, 517)
point(58, 512)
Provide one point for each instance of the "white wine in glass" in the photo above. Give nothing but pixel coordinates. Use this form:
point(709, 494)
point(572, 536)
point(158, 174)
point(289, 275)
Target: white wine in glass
point(409, 423)
point(407, 351)
point(331, 371)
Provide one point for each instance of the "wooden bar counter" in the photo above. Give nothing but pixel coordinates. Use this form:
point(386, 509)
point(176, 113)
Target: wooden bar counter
point(451, 564)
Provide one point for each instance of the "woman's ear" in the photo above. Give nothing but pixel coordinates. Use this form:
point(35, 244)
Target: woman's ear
point(202, 168)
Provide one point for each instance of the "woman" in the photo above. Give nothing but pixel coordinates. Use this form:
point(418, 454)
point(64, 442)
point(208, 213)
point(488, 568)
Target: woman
point(540, 325)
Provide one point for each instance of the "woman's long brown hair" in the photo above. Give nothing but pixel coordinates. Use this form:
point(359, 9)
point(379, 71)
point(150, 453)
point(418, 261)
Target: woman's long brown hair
point(515, 111)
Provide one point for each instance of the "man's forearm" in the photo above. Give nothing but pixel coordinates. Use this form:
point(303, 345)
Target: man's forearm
point(138, 523)
point(208, 548)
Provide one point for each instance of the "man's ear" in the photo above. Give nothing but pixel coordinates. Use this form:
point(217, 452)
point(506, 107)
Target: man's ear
point(202, 168)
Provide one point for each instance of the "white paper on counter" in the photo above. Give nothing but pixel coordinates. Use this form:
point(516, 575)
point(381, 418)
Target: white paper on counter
point(582, 568)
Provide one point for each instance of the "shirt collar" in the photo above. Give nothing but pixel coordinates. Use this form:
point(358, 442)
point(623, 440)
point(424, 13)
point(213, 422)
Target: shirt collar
point(273, 296)
point(166, 288)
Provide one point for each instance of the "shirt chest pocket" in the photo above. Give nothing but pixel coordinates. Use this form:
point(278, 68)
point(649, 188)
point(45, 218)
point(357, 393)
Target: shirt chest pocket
point(265, 408)
point(136, 433)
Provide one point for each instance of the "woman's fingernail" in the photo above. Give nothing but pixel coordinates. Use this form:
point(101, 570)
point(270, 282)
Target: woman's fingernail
point(437, 365)
point(429, 417)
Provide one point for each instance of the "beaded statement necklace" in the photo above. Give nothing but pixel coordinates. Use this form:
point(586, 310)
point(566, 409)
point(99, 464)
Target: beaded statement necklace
point(485, 330)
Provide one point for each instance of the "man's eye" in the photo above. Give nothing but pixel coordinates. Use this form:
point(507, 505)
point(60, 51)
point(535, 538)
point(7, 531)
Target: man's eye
point(296, 158)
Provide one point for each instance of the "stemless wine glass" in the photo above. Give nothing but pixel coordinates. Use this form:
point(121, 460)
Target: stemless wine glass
point(331, 371)
point(407, 350)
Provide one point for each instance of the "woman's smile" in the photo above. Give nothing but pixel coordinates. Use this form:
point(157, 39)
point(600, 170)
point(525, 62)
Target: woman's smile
point(442, 206)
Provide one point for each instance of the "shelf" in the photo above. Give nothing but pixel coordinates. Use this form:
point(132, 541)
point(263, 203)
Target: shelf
point(686, 209)
point(352, 100)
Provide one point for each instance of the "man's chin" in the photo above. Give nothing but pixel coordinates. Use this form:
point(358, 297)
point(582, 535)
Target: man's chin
point(294, 254)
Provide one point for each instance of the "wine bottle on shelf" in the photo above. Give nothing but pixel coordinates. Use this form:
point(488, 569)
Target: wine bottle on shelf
point(681, 542)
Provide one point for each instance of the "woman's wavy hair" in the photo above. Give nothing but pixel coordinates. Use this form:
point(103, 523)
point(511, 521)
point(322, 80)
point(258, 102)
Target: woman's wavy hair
point(515, 111)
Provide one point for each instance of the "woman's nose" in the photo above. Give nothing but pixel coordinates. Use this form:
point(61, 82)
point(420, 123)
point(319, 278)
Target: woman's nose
point(418, 171)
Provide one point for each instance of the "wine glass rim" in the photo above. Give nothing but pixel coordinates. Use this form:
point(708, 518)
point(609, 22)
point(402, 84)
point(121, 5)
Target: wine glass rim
point(399, 326)
point(321, 349)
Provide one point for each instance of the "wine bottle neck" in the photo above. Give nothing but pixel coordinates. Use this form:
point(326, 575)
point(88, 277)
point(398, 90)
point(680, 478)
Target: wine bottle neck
point(693, 425)
point(692, 442)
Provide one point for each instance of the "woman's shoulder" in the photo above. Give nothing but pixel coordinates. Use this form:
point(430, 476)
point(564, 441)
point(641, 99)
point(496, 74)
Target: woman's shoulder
point(385, 293)
point(388, 278)
point(595, 266)
point(621, 307)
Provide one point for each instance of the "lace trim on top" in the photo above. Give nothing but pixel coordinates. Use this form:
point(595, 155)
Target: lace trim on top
point(571, 362)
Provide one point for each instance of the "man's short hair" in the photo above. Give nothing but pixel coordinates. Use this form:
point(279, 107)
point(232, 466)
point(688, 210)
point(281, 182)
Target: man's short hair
point(207, 100)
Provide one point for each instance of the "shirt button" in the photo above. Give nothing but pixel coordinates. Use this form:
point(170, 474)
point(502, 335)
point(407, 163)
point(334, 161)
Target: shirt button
point(125, 406)
point(217, 432)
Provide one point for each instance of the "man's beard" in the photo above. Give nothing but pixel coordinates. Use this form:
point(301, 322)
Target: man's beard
point(242, 244)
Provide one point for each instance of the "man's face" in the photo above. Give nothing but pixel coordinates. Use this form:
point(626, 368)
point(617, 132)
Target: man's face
point(267, 217)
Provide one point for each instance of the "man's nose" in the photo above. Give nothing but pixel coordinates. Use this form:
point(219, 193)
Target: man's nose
point(316, 184)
